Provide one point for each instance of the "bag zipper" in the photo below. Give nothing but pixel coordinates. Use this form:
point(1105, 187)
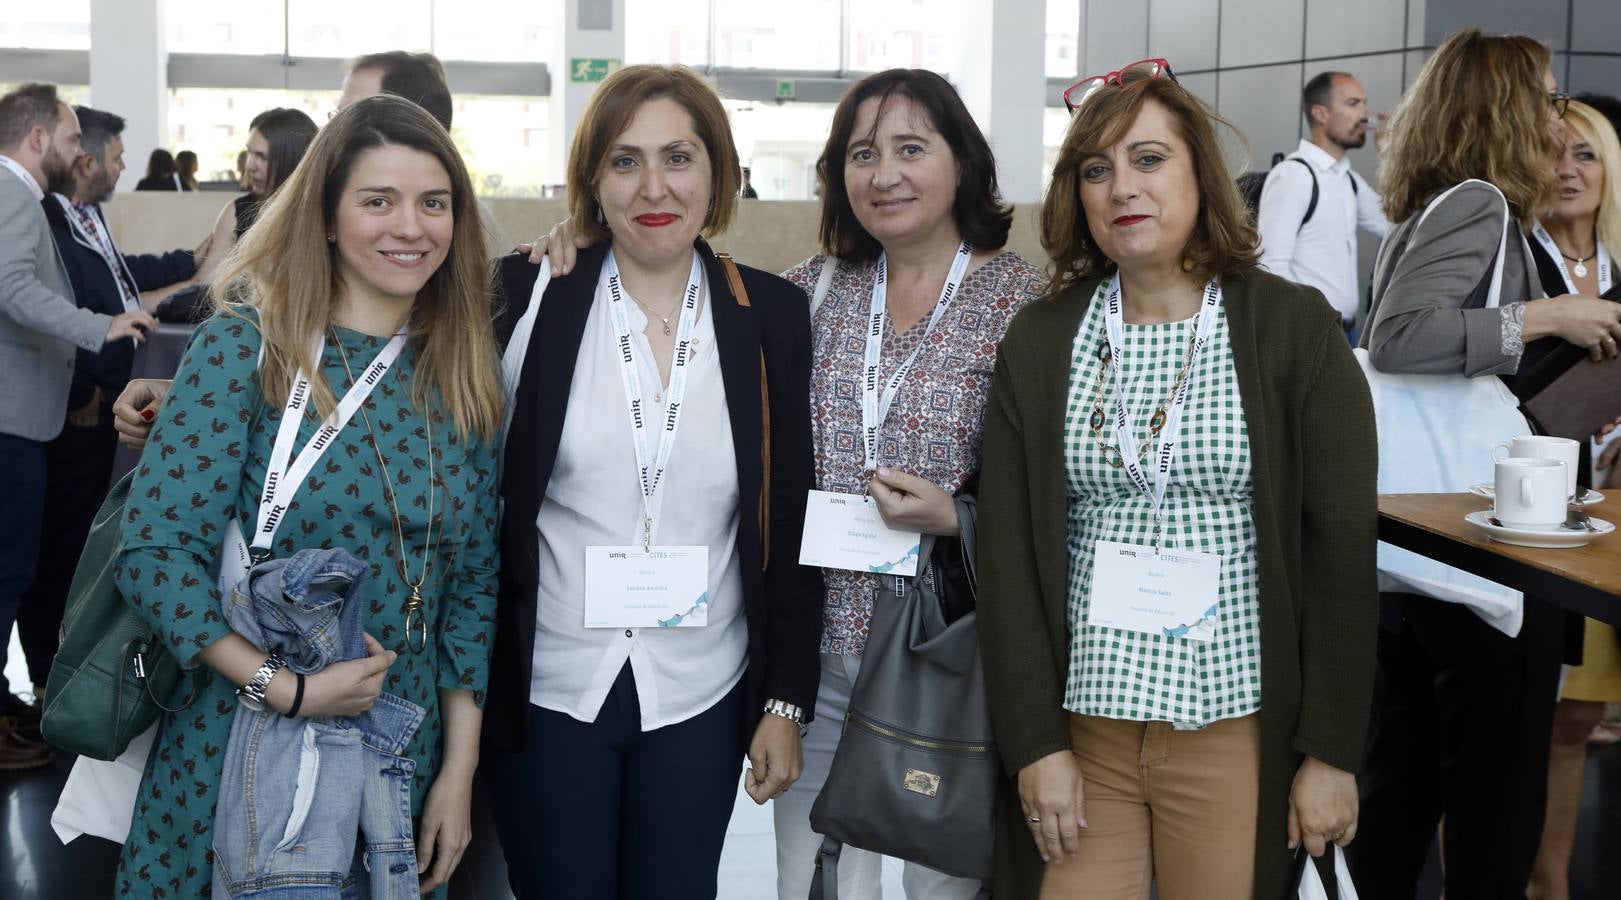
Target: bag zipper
point(856, 718)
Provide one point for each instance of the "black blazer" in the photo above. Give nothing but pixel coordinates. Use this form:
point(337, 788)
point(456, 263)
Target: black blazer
point(782, 603)
point(95, 289)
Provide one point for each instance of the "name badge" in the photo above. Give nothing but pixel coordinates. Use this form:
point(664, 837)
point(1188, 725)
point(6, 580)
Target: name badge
point(846, 531)
point(628, 587)
point(1173, 594)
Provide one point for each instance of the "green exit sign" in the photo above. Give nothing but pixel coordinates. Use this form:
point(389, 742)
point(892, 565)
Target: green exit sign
point(785, 89)
point(591, 70)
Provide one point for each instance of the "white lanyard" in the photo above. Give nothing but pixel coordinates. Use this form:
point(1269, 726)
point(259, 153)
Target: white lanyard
point(281, 482)
point(875, 405)
point(1124, 434)
point(1605, 265)
point(103, 240)
point(651, 471)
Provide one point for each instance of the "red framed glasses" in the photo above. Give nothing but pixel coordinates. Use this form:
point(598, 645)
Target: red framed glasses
point(1141, 70)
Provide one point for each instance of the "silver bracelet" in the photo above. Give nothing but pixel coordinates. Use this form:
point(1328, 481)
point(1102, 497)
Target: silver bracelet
point(252, 694)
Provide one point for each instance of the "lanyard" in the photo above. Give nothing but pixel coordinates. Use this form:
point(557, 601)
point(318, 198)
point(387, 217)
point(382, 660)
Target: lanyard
point(84, 224)
point(1125, 439)
point(282, 481)
point(1606, 267)
point(651, 469)
point(875, 405)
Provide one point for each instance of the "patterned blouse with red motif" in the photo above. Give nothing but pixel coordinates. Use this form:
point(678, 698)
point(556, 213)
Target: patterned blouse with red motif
point(935, 425)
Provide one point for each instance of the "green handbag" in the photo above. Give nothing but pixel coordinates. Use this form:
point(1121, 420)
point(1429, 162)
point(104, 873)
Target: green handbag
point(111, 674)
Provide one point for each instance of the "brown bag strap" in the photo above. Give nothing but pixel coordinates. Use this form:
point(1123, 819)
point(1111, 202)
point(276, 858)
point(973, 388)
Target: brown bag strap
point(735, 279)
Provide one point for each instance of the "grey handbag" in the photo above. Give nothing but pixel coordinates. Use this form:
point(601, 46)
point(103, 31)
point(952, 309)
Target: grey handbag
point(916, 771)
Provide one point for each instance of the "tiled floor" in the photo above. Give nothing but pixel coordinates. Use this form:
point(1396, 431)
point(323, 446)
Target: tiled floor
point(34, 865)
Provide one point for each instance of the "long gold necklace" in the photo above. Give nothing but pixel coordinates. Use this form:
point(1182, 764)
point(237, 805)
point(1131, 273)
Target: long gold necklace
point(416, 619)
point(1156, 422)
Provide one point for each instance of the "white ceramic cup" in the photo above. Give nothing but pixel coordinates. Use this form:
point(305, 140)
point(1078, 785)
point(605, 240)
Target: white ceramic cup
point(1537, 446)
point(1530, 491)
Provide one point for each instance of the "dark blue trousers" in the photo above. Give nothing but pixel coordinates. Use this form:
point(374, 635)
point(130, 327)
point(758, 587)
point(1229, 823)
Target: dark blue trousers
point(22, 508)
point(604, 810)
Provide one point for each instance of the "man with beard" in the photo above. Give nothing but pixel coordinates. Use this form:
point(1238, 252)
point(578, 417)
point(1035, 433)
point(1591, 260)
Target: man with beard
point(1313, 202)
point(79, 461)
point(41, 328)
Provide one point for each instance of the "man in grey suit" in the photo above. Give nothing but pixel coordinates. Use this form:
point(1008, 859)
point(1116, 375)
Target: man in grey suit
point(41, 328)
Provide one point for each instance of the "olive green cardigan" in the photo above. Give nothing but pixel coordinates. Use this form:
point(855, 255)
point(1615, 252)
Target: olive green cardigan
point(1314, 453)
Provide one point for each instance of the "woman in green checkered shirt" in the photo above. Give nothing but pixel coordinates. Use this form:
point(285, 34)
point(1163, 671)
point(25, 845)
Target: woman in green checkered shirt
point(1178, 525)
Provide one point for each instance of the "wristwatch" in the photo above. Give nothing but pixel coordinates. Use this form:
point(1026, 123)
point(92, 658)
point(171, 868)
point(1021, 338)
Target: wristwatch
point(252, 694)
point(787, 711)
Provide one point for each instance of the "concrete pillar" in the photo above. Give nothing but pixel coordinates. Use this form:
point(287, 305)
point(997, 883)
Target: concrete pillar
point(129, 76)
point(1003, 80)
point(592, 30)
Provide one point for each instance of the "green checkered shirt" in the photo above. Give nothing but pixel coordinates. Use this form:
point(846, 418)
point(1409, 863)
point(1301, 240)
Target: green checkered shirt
point(1141, 677)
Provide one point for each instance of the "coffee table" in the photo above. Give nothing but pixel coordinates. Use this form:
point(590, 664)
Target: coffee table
point(1586, 579)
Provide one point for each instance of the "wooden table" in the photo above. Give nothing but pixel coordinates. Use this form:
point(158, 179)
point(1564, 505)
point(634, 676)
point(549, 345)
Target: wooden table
point(1583, 579)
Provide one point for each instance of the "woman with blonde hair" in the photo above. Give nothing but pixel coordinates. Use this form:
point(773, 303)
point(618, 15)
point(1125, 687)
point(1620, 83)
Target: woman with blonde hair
point(1575, 243)
point(366, 269)
point(1173, 420)
point(1471, 156)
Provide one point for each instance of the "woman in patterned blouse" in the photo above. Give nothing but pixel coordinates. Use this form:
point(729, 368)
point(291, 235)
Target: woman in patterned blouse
point(908, 181)
point(1177, 526)
point(375, 234)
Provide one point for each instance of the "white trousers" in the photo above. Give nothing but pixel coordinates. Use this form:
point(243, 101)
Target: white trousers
point(860, 872)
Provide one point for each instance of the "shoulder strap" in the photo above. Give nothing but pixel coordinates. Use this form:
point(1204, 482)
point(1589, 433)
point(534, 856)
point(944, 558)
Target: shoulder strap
point(824, 282)
point(734, 278)
point(1311, 208)
point(518, 346)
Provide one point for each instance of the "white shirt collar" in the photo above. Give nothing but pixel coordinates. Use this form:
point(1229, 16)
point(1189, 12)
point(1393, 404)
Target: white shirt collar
point(24, 174)
point(1320, 158)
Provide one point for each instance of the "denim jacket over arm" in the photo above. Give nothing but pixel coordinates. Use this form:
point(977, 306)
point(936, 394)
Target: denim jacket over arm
point(297, 792)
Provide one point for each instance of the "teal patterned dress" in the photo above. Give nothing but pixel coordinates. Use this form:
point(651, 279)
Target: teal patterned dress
point(205, 463)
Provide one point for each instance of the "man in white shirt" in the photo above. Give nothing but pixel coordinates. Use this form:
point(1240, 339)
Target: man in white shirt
point(1313, 202)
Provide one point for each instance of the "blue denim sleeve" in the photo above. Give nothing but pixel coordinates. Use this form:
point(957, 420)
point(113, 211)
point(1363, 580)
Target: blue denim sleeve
point(187, 487)
point(468, 633)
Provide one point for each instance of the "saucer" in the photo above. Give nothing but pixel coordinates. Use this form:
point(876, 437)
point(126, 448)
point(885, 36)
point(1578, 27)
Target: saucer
point(1546, 536)
point(1489, 491)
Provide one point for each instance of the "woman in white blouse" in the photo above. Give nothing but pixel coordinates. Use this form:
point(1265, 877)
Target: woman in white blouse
point(654, 622)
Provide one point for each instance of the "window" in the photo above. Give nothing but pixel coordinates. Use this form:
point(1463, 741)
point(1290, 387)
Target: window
point(61, 25)
point(779, 143)
point(502, 139)
point(213, 122)
point(1054, 124)
point(71, 94)
point(667, 31)
point(324, 28)
point(208, 26)
point(496, 30)
point(753, 35)
point(911, 34)
point(1063, 38)
point(504, 143)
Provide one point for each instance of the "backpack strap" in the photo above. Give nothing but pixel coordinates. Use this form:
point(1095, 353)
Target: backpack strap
point(734, 278)
point(1311, 208)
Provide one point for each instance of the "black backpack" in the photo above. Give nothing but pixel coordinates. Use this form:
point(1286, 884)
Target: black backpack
point(1251, 183)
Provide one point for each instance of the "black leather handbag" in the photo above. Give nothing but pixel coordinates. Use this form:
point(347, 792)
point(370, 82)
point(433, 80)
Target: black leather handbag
point(916, 771)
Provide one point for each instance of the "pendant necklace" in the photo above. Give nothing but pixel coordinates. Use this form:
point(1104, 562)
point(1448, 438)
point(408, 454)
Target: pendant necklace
point(1580, 269)
point(663, 319)
point(1156, 421)
point(416, 620)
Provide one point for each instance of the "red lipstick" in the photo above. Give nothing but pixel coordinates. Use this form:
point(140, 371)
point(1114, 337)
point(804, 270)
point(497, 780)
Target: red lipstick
point(1129, 220)
point(655, 220)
